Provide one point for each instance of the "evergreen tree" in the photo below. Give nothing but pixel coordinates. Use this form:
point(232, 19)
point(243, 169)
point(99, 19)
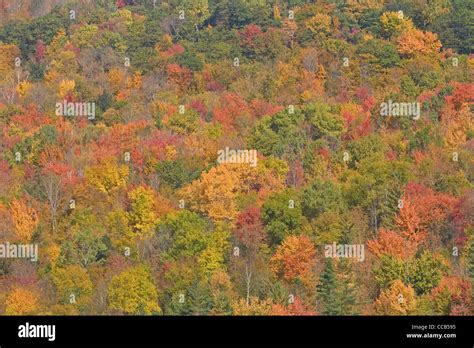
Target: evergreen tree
point(177, 305)
point(196, 300)
point(346, 290)
point(326, 290)
point(200, 301)
point(336, 292)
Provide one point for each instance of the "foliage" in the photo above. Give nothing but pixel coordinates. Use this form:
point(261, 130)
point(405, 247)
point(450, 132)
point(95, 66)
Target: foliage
point(232, 143)
point(21, 302)
point(281, 215)
point(133, 292)
point(398, 299)
point(294, 259)
point(73, 285)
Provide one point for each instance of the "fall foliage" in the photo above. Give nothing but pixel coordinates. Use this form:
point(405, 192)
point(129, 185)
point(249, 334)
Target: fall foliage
point(234, 157)
point(294, 259)
point(398, 299)
point(21, 302)
point(25, 219)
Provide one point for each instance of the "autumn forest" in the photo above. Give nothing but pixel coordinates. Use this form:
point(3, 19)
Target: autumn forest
point(236, 157)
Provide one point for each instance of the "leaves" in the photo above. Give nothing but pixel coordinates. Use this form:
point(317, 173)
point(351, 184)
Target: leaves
point(214, 193)
point(73, 285)
point(25, 220)
point(21, 302)
point(255, 307)
point(133, 292)
point(396, 300)
point(108, 176)
point(392, 244)
point(135, 211)
point(295, 259)
point(416, 42)
point(142, 216)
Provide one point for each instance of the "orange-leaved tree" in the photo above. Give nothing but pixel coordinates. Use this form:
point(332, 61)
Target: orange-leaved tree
point(295, 259)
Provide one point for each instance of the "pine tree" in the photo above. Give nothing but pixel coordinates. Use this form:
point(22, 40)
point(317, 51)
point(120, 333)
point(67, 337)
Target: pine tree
point(326, 290)
point(346, 291)
point(176, 304)
point(336, 292)
point(200, 301)
point(196, 300)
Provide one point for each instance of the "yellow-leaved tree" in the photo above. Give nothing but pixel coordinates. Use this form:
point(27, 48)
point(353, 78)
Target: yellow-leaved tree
point(142, 213)
point(320, 22)
point(212, 258)
point(414, 42)
point(25, 220)
point(8, 54)
point(398, 299)
point(128, 228)
point(21, 301)
point(66, 87)
point(394, 23)
point(133, 292)
point(107, 177)
point(254, 307)
point(22, 88)
point(214, 193)
point(73, 285)
point(121, 233)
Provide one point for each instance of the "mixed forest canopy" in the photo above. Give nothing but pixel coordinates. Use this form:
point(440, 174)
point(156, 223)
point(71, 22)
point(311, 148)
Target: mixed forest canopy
point(236, 157)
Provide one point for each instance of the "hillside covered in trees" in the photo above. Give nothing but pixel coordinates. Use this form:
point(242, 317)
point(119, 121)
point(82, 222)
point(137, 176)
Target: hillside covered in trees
point(233, 157)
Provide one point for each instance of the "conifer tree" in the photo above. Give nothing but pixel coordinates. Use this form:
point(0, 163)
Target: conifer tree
point(326, 290)
point(200, 301)
point(336, 291)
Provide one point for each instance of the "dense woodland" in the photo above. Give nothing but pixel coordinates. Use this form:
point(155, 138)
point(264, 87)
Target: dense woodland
point(133, 213)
